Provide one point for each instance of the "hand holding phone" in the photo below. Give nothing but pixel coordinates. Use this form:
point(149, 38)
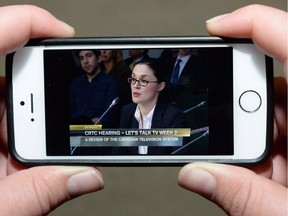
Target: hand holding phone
point(181, 99)
point(269, 179)
point(17, 183)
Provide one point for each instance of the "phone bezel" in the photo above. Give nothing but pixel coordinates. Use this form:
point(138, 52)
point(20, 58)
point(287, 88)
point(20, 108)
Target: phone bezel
point(135, 160)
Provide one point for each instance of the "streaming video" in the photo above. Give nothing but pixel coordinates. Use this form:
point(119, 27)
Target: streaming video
point(139, 101)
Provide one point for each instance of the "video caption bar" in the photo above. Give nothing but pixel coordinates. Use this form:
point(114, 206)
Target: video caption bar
point(93, 135)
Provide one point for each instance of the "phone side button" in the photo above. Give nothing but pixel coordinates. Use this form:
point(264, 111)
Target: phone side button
point(250, 101)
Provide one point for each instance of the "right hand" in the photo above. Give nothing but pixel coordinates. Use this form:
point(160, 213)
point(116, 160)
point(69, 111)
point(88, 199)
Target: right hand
point(237, 190)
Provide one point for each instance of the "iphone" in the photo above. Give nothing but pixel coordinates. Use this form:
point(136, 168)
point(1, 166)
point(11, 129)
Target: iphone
point(129, 101)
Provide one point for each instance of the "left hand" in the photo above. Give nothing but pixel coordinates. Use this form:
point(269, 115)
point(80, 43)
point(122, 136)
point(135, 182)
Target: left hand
point(37, 190)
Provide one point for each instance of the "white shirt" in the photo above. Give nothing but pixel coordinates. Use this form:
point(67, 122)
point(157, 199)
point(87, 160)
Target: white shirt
point(146, 124)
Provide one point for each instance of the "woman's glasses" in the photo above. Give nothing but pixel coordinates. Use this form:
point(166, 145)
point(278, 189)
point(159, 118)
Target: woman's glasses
point(140, 82)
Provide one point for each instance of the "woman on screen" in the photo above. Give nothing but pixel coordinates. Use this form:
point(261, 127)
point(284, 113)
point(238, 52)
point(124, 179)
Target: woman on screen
point(146, 111)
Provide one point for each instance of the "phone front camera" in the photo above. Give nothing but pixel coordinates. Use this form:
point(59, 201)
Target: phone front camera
point(32, 119)
point(22, 103)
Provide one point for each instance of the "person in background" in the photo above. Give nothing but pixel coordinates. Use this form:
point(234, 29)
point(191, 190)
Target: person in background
point(116, 67)
point(92, 92)
point(136, 56)
point(187, 84)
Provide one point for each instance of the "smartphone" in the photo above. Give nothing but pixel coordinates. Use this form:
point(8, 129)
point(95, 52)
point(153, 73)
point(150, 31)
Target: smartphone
point(100, 101)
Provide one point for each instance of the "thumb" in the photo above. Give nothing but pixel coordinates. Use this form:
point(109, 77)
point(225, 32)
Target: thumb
point(238, 191)
point(39, 190)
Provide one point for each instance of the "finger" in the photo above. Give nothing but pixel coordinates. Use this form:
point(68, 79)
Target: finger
point(279, 158)
point(3, 130)
point(3, 161)
point(238, 191)
point(12, 166)
point(20, 23)
point(280, 98)
point(274, 168)
point(265, 25)
point(3, 123)
point(42, 189)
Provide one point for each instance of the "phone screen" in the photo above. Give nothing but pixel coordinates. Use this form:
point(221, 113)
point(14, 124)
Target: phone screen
point(139, 101)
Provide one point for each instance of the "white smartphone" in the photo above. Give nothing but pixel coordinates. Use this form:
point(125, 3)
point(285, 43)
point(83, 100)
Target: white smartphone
point(129, 101)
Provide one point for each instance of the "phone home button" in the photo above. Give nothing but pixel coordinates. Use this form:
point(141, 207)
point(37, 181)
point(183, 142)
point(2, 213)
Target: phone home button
point(250, 101)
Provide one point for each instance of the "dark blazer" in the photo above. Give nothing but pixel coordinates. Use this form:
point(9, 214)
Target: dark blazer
point(191, 88)
point(193, 79)
point(165, 116)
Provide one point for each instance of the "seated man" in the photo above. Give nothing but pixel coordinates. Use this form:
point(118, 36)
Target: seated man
point(92, 93)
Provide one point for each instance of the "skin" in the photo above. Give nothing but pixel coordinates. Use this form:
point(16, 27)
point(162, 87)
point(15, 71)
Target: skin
point(136, 53)
point(107, 58)
point(260, 190)
point(89, 63)
point(184, 52)
point(38, 190)
point(106, 55)
point(146, 96)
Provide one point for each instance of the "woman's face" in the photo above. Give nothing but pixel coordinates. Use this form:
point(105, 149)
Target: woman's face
point(145, 95)
point(106, 55)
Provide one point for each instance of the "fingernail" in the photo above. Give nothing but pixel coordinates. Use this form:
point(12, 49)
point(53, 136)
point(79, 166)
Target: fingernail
point(85, 181)
point(195, 178)
point(217, 18)
point(68, 28)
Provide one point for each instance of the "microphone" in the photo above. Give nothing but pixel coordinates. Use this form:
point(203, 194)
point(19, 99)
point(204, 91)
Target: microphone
point(192, 108)
point(206, 133)
point(114, 102)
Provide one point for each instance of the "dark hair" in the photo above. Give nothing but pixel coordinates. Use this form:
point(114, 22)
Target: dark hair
point(96, 52)
point(156, 67)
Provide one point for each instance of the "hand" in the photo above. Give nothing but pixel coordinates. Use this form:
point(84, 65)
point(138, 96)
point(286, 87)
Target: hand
point(237, 190)
point(37, 190)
